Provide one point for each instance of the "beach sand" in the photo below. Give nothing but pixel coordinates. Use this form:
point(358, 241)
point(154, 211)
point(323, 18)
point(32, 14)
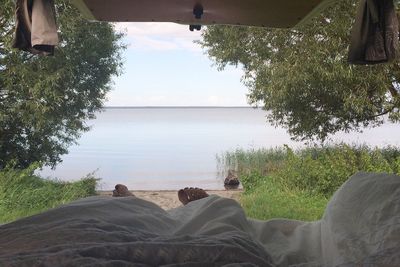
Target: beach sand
point(168, 199)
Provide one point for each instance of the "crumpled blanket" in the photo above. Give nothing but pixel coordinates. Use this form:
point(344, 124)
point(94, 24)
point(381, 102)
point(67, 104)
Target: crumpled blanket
point(360, 227)
point(35, 26)
point(375, 34)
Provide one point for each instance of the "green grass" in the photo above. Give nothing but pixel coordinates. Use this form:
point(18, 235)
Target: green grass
point(269, 200)
point(23, 194)
point(284, 183)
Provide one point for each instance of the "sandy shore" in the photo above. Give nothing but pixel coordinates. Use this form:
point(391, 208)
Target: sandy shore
point(169, 199)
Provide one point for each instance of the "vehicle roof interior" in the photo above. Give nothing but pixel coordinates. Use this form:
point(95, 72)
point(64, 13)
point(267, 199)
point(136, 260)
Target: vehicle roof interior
point(262, 13)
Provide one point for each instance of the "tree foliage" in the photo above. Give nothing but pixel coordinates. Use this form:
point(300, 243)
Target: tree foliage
point(45, 101)
point(302, 78)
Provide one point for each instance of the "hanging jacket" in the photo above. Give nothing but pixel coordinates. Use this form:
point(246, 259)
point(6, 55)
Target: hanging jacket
point(36, 29)
point(375, 34)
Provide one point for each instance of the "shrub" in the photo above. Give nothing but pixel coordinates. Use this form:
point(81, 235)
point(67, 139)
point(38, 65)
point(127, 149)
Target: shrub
point(313, 169)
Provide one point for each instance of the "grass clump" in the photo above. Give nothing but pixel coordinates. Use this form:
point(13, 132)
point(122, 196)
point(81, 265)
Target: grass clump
point(268, 200)
point(297, 184)
point(23, 194)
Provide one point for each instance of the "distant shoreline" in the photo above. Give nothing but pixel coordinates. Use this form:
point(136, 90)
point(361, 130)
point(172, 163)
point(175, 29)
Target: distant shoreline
point(176, 107)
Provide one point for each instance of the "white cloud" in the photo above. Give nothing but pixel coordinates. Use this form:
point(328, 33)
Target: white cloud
point(149, 43)
point(159, 36)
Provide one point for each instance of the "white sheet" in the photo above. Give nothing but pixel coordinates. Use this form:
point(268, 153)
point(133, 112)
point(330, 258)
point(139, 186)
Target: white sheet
point(361, 227)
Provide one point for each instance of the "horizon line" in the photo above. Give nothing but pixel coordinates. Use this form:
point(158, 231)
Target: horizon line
point(179, 107)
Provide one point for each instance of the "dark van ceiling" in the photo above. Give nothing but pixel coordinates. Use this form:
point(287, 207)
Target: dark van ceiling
point(264, 13)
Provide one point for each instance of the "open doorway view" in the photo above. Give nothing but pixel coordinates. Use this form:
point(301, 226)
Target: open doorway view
point(171, 114)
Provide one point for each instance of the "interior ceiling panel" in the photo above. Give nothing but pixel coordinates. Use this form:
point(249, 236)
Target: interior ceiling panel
point(264, 13)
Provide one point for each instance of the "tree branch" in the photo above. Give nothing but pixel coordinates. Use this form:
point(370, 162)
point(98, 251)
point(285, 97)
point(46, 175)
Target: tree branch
point(394, 92)
point(382, 113)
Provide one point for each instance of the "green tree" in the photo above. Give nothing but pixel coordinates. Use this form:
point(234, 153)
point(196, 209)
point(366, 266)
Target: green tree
point(46, 101)
point(301, 76)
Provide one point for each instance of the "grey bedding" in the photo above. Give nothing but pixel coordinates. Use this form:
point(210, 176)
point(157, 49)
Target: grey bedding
point(360, 227)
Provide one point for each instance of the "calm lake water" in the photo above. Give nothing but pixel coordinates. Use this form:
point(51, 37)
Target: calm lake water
point(170, 148)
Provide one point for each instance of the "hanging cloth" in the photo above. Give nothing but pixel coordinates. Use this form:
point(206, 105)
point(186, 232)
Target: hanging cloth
point(375, 34)
point(36, 29)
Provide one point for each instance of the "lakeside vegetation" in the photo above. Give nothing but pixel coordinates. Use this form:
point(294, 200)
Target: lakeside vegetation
point(278, 183)
point(22, 193)
point(297, 184)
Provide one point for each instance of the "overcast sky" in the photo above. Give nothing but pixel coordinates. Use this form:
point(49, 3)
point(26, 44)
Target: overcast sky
point(163, 67)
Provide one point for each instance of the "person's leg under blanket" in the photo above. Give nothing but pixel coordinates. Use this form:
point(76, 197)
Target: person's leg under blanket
point(360, 227)
point(127, 230)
